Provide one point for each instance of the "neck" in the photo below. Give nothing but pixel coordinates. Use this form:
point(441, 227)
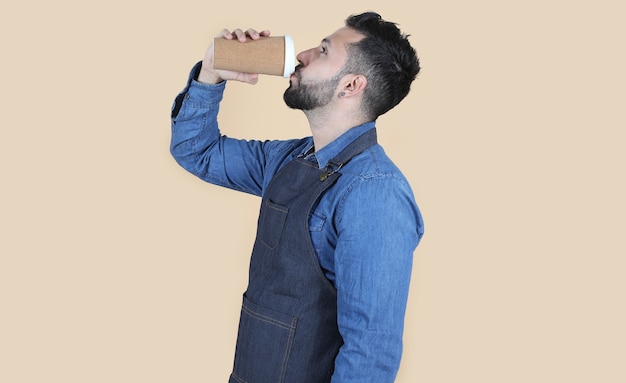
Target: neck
point(326, 127)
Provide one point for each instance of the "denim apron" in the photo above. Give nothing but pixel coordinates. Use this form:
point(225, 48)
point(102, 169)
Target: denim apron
point(288, 326)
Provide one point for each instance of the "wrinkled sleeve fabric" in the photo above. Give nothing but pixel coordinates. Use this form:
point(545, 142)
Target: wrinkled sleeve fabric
point(379, 227)
point(199, 147)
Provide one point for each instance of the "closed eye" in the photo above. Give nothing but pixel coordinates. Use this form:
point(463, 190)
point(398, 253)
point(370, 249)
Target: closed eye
point(324, 46)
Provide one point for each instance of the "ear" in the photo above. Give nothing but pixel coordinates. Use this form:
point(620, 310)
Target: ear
point(354, 85)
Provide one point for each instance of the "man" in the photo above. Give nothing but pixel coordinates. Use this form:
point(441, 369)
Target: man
point(330, 268)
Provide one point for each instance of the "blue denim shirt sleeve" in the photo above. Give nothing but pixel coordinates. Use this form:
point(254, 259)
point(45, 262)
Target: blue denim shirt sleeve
point(198, 146)
point(379, 226)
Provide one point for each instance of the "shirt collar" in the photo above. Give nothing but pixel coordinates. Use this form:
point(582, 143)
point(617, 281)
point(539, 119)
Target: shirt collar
point(331, 150)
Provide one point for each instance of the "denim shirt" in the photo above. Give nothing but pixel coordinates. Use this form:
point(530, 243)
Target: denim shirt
point(364, 229)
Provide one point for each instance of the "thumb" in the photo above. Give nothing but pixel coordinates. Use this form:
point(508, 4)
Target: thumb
point(250, 78)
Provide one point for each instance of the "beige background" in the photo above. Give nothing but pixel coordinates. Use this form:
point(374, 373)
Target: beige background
point(117, 266)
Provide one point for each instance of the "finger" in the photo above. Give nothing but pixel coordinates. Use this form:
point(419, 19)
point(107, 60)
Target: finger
point(225, 33)
point(253, 79)
point(250, 78)
point(254, 35)
point(240, 35)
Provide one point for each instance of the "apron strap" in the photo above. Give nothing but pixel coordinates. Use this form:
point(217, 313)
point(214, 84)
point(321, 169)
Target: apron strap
point(362, 143)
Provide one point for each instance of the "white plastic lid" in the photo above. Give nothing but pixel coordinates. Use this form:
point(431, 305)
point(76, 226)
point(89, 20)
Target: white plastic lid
point(290, 57)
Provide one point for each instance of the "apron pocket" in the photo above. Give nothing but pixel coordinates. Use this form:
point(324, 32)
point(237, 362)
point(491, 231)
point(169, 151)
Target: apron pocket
point(263, 344)
point(272, 221)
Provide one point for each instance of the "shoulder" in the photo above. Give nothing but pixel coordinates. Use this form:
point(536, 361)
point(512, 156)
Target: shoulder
point(373, 169)
point(372, 184)
point(286, 149)
point(280, 152)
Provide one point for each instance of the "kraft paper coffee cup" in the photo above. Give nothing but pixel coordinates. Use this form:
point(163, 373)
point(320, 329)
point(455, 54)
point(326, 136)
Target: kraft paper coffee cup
point(273, 55)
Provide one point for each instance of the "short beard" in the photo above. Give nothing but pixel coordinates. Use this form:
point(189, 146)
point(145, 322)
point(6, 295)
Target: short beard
point(311, 96)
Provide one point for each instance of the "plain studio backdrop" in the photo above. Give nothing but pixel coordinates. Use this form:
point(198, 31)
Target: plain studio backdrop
point(118, 266)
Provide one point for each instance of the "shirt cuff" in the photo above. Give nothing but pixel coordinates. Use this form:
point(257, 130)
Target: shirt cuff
point(197, 94)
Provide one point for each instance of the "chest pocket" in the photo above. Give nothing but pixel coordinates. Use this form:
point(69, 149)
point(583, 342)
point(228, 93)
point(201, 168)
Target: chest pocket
point(316, 224)
point(272, 222)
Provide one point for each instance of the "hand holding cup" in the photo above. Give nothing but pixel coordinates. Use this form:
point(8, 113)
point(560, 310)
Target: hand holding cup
point(243, 56)
point(210, 75)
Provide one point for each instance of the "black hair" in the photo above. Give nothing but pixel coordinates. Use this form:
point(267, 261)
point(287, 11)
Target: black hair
point(386, 58)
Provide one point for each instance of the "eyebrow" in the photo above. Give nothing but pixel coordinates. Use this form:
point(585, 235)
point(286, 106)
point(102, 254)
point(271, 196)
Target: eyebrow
point(326, 41)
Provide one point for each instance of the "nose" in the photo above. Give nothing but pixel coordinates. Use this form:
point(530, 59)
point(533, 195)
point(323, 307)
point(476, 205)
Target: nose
point(305, 57)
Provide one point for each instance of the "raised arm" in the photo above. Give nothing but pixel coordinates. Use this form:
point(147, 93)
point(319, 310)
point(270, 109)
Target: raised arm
point(197, 144)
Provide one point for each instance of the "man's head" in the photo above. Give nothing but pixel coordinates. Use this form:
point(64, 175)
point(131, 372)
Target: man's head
point(385, 58)
point(369, 56)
